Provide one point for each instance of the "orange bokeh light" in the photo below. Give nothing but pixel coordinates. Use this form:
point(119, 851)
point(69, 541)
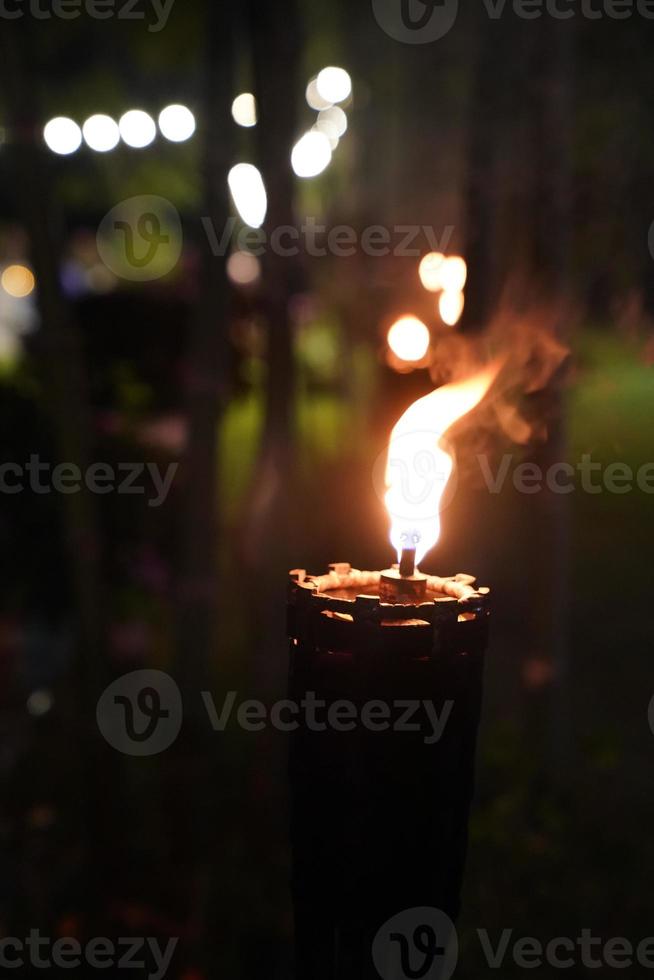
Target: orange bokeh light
point(454, 274)
point(409, 338)
point(430, 271)
point(18, 281)
point(450, 307)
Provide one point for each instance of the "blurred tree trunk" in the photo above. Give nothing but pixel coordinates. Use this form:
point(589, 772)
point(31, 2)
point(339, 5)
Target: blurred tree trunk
point(61, 369)
point(276, 48)
point(207, 370)
point(196, 778)
point(59, 355)
point(479, 189)
point(275, 39)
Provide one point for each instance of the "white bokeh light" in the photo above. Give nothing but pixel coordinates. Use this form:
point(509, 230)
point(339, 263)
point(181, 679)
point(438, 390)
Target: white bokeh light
point(334, 84)
point(333, 140)
point(248, 193)
point(137, 128)
point(101, 133)
point(62, 135)
point(244, 110)
point(314, 98)
point(332, 122)
point(177, 123)
point(311, 154)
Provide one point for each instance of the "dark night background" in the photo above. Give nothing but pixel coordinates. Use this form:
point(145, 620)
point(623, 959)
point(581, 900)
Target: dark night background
point(532, 141)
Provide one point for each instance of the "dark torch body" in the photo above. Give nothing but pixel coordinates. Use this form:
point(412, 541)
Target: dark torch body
point(379, 812)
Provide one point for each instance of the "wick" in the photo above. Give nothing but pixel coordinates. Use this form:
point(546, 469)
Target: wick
point(408, 562)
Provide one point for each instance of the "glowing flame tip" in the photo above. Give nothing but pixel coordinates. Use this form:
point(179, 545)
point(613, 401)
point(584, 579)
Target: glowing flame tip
point(418, 467)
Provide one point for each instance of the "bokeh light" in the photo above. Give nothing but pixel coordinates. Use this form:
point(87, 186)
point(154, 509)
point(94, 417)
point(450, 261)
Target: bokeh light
point(243, 268)
point(101, 133)
point(430, 271)
point(248, 193)
point(409, 338)
point(314, 98)
point(329, 133)
point(454, 274)
point(244, 109)
point(137, 128)
point(450, 306)
point(334, 84)
point(177, 123)
point(332, 122)
point(311, 154)
point(100, 279)
point(18, 281)
point(39, 702)
point(62, 135)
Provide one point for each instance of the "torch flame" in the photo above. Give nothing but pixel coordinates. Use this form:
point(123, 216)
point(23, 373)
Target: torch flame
point(418, 467)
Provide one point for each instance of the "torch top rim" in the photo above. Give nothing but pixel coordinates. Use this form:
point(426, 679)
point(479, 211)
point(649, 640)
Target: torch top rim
point(359, 584)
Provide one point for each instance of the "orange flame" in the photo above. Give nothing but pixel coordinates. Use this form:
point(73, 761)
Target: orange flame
point(418, 467)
